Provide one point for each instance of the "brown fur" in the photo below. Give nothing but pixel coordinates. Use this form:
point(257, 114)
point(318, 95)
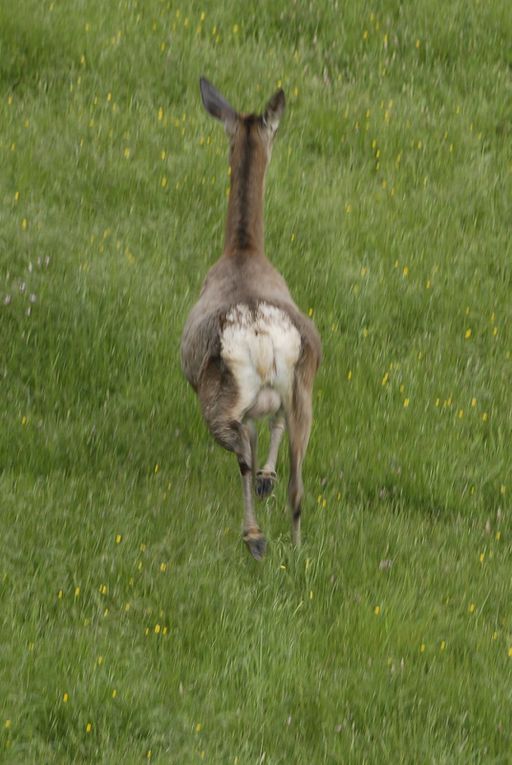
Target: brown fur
point(243, 275)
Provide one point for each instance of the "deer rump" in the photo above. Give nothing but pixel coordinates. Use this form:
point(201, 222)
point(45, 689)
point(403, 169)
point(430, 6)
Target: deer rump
point(228, 285)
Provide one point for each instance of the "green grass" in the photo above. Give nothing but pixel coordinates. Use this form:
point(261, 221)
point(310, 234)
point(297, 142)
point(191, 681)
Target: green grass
point(134, 626)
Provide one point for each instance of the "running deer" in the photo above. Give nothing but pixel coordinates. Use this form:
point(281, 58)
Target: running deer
point(246, 349)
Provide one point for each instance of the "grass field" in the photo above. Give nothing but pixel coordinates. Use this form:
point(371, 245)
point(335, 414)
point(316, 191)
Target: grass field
point(134, 626)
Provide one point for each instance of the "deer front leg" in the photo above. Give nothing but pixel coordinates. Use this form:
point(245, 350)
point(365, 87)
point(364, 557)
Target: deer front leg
point(252, 535)
point(266, 477)
point(299, 427)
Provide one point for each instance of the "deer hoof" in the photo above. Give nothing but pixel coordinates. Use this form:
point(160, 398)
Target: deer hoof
point(256, 543)
point(264, 483)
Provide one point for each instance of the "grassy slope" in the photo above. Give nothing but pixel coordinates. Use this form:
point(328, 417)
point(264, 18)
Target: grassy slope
point(124, 584)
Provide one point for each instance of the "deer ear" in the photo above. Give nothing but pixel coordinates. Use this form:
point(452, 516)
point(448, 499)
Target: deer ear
point(217, 106)
point(274, 110)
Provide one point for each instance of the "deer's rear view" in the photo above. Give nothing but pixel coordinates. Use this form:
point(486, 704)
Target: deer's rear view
point(246, 349)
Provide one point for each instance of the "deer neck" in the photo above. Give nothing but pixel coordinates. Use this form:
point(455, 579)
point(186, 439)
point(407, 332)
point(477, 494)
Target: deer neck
point(244, 224)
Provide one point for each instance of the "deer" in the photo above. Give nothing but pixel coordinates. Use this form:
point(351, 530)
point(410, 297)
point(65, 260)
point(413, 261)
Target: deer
point(247, 350)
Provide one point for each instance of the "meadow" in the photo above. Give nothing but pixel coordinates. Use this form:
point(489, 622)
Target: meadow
point(134, 626)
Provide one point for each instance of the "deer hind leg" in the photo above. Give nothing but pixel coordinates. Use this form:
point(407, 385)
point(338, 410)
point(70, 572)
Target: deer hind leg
point(238, 437)
point(266, 477)
point(299, 420)
point(246, 455)
point(241, 438)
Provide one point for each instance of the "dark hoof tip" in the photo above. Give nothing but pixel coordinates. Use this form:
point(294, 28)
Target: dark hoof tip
point(264, 484)
point(257, 545)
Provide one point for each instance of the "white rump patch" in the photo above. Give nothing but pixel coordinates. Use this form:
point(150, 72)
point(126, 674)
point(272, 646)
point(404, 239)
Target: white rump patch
point(261, 347)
